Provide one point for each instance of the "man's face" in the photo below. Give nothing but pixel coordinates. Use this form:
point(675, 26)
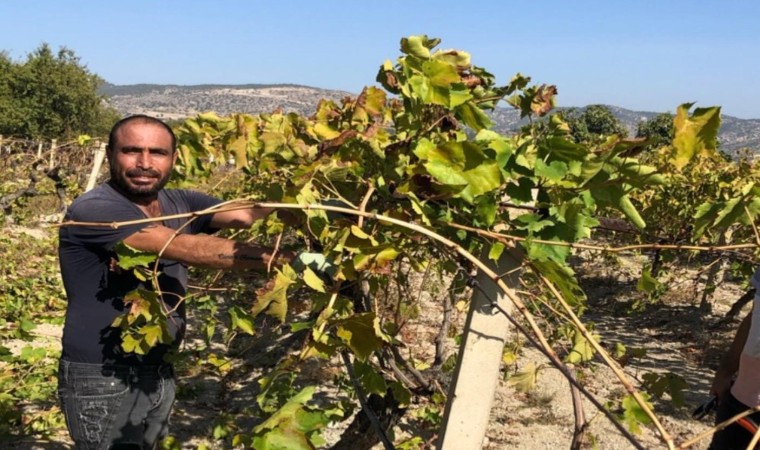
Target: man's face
point(142, 159)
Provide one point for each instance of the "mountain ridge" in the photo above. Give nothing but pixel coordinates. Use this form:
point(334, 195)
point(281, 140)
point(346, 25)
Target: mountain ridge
point(172, 101)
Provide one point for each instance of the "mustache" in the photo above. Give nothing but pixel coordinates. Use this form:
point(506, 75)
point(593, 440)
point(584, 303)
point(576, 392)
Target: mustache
point(143, 173)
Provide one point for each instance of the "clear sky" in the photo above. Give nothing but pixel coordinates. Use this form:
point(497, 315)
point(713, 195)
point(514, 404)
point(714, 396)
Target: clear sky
point(647, 55)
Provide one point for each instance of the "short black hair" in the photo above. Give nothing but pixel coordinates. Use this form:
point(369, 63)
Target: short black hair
point(139, 118)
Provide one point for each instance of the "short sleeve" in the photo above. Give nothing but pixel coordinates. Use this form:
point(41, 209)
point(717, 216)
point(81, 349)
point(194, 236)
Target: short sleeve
point(101, 209)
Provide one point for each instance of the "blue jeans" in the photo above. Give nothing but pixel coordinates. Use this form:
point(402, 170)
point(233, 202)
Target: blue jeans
point(116, 407)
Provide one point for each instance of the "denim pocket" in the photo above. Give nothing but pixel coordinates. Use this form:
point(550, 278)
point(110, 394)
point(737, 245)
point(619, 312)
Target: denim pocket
point(90, 400)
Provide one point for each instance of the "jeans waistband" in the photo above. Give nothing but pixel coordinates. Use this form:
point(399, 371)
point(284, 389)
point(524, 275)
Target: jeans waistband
point(162, 370)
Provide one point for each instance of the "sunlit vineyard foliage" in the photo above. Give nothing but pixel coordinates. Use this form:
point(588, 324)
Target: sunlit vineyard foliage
point(423, 183)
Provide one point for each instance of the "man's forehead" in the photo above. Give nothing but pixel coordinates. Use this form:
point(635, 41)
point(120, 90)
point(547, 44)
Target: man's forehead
point(140, 128)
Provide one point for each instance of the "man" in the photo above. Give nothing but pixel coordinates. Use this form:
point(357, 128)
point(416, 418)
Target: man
point(111, 398)
point(737, 381)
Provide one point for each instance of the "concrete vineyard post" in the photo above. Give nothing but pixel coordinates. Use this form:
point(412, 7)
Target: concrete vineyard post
point(100, 154)
point(476, 376)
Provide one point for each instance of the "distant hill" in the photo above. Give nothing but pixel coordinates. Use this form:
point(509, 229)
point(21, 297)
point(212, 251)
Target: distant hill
point(177, 101)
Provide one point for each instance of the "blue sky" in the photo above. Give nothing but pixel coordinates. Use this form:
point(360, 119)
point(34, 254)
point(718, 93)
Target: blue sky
point(642, 55)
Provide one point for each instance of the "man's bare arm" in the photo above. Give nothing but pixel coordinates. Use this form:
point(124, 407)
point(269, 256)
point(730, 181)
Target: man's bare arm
point(240, 218)
point(730, 361)
point(204, 251)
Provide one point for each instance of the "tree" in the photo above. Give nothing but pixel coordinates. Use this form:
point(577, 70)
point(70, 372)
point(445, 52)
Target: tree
point(51, 96)
point(9, 111)
point(594, 121)
point(659, 130)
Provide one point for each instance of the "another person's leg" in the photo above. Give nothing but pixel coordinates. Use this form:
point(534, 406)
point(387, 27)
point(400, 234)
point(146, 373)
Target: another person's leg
point(734, 436)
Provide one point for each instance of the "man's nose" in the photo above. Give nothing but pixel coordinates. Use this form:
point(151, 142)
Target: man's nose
point(144, 160)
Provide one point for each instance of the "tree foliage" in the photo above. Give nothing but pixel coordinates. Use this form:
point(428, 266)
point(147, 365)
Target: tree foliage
point(51, 95)
point(593, 123)
point(659, 131)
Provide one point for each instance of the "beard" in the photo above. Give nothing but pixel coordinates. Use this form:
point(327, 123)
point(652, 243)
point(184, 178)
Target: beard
point(121, 180)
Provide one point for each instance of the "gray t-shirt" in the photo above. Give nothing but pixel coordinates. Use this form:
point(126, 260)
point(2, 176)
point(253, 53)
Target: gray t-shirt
point(95, 290)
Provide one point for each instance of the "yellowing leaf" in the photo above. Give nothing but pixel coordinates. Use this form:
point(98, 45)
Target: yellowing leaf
point(238, 148)
point(525, 380)
point(274, 301)
point(325, 132)
point(694, 134)
point(312, 280)
point(152, 333)
point(385, 256)
point(418, 46)
point(582, 350)
point(358, 232)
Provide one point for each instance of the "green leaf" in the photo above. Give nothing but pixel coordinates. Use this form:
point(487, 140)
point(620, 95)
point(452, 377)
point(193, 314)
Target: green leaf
point(565, 149)
point(131, 345)
point(359, 333)
point(325, 131)
point(402, 395)
point(294, 425)
point(522, 192)
point(667, 383)
point(358, 232)
point(555, 171)
point(730, 213)
point(616, 196)
point(647, 283)
point(26, 325)
point(486, 209)
point(372, 381)
point(633, 414)
point(705, 216)
point(473, 117)
point(440, 73)
point(563, 278)
point(130, 258)
point(461, 164)
point(242, 320)
point(496, 250)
